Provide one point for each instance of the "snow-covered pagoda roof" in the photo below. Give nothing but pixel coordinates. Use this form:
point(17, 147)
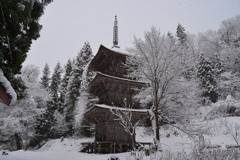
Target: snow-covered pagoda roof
point(112, 90)
point(120, 51)
point(105, 53)
point(100, 76)
point(8, 89)
point(102, 108)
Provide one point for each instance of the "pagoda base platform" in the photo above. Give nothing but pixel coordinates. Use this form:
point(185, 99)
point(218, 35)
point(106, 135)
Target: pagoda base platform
point(110, 147)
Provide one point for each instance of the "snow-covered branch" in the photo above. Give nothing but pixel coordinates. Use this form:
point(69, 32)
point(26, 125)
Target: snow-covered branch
point(159, 60)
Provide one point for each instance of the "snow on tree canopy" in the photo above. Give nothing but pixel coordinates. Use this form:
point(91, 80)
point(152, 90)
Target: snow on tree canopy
point(8, 87)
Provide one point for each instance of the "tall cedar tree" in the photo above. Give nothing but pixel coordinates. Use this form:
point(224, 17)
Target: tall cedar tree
point(207, 76)
point(45, 123)
point(64, 84)
point(19, 26)
point(54, 105)
point(74, 85)
point(181, 35)
point(85, 128)
point(45, 79)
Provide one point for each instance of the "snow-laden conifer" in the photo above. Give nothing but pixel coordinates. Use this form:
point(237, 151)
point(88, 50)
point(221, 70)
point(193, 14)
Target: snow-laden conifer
point(74, 85)
point(45, 79)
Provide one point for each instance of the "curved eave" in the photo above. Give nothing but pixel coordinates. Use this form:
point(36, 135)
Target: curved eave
point(101, 78)
point(103, 52)
point(95, 109)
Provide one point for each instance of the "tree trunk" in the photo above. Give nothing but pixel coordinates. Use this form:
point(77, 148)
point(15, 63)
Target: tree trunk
point(157, 126)
point(156, 105)
point(18, 141)
point(133, 139)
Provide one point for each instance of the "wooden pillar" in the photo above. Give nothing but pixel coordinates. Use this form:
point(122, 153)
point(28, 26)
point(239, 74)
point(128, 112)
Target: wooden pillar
point(120, 147)
point(111, 148)
point(95, 147)
point(91, 151)
point(99, 147)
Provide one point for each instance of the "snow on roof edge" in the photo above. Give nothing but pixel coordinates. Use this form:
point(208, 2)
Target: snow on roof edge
point(125, 79)
point(118, 50)
point(8, 87)
point(118, 108)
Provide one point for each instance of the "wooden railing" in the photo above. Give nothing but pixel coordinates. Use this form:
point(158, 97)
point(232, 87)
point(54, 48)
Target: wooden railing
point(110, 147)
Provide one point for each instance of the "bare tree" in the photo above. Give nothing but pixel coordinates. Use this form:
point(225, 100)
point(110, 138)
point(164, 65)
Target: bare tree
point(233, 129)
point(127, 120)
point(158, 60)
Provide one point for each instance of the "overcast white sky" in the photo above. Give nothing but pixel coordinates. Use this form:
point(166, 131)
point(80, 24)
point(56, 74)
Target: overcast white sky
point(67, 24)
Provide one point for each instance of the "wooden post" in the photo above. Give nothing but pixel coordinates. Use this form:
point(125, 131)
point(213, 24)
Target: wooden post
point(120, 147)
point(99, 147)
point(111, 148)
point(91, 147)
point(114, 147)
point(95, 147)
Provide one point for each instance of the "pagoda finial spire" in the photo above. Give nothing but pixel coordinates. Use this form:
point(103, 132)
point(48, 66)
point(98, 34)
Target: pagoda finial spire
point(115, 32)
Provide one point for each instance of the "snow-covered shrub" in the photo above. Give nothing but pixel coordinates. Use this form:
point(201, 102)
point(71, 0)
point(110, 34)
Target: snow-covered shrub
point(196, 154)
point(232, 146)
point(113, 157)
point(168, 135)
point(229, 107)
point(229, 85)
point(209, 154)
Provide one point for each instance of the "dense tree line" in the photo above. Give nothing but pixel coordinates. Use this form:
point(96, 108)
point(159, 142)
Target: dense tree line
point(50, 105)
point(65, 87)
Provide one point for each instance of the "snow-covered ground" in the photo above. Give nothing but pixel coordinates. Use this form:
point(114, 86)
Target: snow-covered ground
point(68, 149)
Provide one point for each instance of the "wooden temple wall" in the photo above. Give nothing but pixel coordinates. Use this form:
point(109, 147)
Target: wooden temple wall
point(111, 131)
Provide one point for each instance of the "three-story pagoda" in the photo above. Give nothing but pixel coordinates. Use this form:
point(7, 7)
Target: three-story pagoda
point(115, 92)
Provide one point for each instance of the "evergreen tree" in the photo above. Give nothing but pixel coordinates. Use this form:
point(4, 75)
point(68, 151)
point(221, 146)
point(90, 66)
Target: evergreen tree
point(55, 104)
point(46, 123)
point(19, 25)
point(45, 79)
point(218, 65)
point(56, 82)
point(181, 35)
point(206, 74)
point(71, 96)
point(64, 84)
point(74, 85)
point(83, 128)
